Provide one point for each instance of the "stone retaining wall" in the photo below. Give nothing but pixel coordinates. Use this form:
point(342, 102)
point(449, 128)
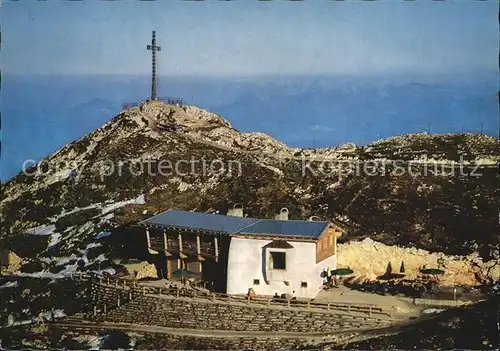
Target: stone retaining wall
point(169, 311)
point(103, 295)
point(241, 343)
point(157, 341)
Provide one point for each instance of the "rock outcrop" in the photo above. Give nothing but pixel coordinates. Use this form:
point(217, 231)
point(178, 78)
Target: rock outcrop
point(141, 270)
point(10, 261)
point(370, 259)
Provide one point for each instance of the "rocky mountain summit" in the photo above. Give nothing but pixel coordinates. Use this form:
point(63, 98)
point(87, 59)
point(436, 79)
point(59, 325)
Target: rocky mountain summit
point(155, 157)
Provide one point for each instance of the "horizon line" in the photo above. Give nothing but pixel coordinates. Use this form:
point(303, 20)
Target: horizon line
point(258, 75)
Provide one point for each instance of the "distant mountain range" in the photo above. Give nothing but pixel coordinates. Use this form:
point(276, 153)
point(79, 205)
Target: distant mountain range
point(330, 116)
point(301, 111)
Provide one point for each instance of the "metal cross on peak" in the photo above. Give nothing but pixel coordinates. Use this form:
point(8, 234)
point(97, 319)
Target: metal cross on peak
point(153, 49)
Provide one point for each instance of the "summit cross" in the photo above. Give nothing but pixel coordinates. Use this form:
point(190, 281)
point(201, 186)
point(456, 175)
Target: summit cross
point(154, 48)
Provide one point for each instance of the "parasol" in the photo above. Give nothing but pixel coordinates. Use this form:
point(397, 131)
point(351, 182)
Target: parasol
point(342, 271)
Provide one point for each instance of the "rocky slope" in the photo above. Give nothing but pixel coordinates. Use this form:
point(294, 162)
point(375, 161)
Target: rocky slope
point(74, 195)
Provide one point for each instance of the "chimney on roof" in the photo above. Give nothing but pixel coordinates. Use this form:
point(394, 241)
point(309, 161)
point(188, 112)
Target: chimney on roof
point(282, 215)
point(236, 211)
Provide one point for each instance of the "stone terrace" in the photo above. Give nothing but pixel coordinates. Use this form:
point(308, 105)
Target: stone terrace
point(139, 306)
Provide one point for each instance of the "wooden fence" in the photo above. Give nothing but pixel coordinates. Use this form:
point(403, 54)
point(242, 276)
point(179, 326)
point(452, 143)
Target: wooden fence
point(369, 309)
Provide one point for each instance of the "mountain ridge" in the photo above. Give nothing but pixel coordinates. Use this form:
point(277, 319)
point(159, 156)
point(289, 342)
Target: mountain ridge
point(271, 176)
point(367, 110)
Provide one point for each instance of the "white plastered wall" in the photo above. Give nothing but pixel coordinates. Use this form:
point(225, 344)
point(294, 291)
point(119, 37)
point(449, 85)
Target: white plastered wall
point(249, 261)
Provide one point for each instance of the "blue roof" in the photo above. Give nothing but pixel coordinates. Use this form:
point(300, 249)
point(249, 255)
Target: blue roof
point(231, 225)
point(287, 227)
point(199, 220)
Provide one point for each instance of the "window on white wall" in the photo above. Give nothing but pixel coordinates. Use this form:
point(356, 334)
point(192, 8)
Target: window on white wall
point(278, 260)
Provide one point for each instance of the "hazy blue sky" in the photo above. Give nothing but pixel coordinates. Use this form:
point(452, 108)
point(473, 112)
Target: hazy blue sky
point(219, 38)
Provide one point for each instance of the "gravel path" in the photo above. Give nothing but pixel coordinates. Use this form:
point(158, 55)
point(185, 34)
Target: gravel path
point(343, 294)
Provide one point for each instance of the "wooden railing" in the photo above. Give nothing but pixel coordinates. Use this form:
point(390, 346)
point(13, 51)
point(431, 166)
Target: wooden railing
point(137, 288)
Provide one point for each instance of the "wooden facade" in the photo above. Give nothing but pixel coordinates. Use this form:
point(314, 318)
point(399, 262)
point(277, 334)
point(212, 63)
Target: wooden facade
point(202, 254)
point(326, 245)
point(183, 245)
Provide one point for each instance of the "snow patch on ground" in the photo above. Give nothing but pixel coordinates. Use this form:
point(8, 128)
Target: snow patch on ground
point(28, 321)
point(65, 213)
point(55, 238)
point(47, 315)
point(102, 235)
point(104, 207)
point(133, 339)
point(42, 230)
point(97, 342)
point(59, 176)
point(12, 284)
point(65, 260)
point(93, 341)
point(140, 200)
point(432, 310)
point(46, 260)
point(71, 269)
point(99, 258)
point(40, 275)
point(107, 217)
point(91, 246)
